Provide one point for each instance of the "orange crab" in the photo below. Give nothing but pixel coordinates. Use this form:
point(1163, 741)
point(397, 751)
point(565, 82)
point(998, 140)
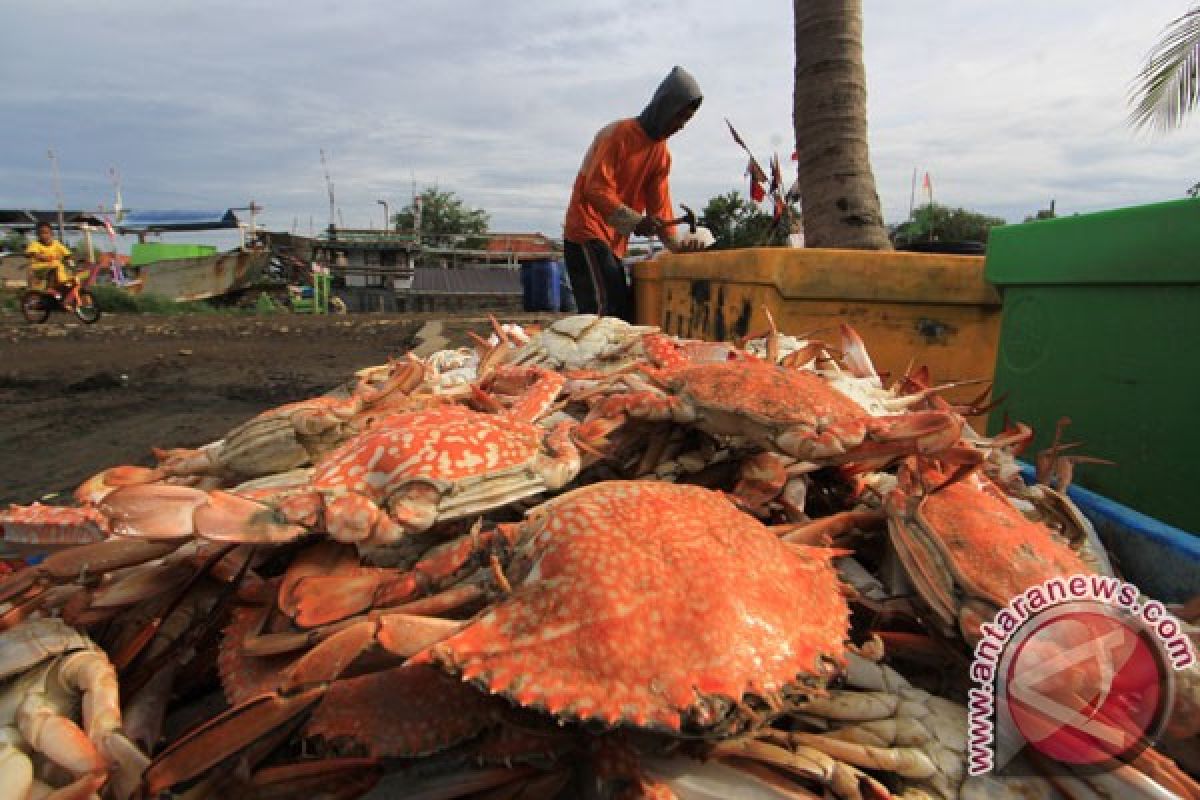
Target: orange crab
point(967, 550)
point(637, 603)
point(410, 471)
point(794, 412)
point(294, 434)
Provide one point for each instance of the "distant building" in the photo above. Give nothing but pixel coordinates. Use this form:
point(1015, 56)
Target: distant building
point(524, 245)
point(386, 271)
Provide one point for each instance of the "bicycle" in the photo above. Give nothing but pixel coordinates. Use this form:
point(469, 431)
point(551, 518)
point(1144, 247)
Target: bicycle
point(74, 298)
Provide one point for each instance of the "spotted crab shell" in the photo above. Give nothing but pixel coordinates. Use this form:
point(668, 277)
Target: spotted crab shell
point(963, 540)
point(644, 602)
point(439, 446)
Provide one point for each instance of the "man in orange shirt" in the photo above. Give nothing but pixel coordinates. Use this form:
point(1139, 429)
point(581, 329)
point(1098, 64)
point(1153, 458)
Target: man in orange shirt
point(622, 189)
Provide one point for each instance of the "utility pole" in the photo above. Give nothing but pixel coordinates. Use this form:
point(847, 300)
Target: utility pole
point(328, 186)
point(417, 219)
point(58, 195)
point(254, 225)
point(912, 195)
point(118, 206)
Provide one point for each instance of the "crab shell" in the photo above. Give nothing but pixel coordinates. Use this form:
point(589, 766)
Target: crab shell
point(795, 412)
point(436, 465)
point(584, 341)
point(967, 541)
point(403, 712)
point(653, 604)
point(294, 434)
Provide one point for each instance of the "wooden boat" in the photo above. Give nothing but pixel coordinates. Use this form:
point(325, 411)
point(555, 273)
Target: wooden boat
point(184, 272)
point(199, 277)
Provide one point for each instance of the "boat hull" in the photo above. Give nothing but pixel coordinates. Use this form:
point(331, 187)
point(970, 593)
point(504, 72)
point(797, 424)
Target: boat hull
point(202, 277)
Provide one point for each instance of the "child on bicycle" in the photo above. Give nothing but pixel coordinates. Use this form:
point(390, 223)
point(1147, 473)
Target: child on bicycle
point(48, 260)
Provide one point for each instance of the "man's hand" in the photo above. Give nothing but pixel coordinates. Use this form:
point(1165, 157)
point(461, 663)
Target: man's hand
point(649, 225)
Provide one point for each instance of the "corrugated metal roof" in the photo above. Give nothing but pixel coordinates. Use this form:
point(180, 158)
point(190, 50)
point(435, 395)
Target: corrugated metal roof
point(521, 243)
point(136, 221)
point(28, 218)
point(466, 281)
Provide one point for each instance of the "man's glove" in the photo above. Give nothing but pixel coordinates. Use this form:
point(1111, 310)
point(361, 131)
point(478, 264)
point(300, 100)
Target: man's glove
point(648, 226)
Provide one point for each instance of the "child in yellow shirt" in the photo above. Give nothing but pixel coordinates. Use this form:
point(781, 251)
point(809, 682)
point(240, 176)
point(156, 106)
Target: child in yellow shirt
point(47, 257)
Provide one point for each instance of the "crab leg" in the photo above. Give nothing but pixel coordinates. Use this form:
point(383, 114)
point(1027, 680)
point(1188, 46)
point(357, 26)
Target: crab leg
point(304, 684)
point(212, 742)
point(330, 779)
point(824, 530)
point(808, 763)
point(325, 600)
point(25, 592)
point(52, 526)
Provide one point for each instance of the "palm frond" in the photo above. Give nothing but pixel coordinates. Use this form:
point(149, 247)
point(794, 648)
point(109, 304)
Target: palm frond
point(1168, 87)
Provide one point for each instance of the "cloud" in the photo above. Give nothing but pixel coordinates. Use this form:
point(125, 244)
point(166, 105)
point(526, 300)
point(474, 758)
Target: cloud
point(1007, 106)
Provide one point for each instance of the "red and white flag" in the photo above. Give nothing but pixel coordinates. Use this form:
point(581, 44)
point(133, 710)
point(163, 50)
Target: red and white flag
point(927, 185)
point(758, 178)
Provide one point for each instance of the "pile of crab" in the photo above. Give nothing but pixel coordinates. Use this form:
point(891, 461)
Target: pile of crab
point(591, 560)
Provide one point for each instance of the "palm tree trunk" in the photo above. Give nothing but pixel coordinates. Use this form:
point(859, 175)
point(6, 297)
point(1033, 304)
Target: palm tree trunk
point(837, 189)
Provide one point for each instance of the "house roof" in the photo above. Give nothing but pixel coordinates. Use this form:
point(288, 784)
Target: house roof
point(22, 218)
point(144, 221)
point(521, 243)
point(494, 280)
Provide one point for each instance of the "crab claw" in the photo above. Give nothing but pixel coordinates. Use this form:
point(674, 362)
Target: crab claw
point(854, 352)
point(100, 485)
point(925, 432)
point(168, 512)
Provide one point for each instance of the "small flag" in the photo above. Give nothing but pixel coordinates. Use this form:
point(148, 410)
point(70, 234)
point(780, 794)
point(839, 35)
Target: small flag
point(927, 184)
point(757, 192)
point(757, 179)
point(776, 174)
point(736, 138)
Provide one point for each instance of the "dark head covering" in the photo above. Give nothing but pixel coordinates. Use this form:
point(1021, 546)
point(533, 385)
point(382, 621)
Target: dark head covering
point(677, 91)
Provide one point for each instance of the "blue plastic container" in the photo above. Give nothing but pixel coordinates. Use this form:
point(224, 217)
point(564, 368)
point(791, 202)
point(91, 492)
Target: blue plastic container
point(1162, 561)
point(541, 285)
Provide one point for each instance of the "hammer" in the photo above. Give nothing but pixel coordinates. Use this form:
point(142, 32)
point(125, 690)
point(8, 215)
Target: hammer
point(689, 217)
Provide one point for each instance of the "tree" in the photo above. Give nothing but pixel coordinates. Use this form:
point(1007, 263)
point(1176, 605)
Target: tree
point(837, 188)
point(737, 222)
point(1168, 87)
point(13, 242)
point(941, 223)
point(443, 217)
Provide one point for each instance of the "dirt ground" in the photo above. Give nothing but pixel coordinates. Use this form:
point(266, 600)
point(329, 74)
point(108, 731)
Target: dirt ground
point(76, 399)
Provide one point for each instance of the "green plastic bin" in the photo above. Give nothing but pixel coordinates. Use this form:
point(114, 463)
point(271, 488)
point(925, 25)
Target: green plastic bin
point(149, 252)
point(1101, 324)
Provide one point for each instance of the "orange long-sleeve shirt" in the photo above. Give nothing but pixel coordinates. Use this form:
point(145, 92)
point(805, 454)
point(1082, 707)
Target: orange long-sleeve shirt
point(623, 176)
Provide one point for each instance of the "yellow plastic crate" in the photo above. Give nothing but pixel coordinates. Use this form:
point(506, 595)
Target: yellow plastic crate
point(910, 308)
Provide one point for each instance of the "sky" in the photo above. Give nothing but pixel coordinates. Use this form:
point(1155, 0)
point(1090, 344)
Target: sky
point(210, 105)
